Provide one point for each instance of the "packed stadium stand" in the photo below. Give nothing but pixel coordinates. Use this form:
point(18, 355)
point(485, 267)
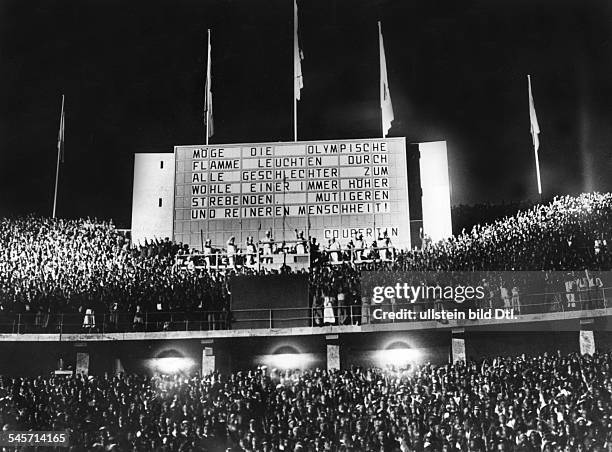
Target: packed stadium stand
point(539, 403)
point(105, 340)
point(86, 273)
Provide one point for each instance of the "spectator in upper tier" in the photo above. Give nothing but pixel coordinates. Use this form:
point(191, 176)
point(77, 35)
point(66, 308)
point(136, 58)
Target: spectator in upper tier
point(58, 266)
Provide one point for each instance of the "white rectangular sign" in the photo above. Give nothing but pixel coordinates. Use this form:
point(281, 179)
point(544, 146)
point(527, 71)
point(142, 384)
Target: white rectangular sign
point(333, 188)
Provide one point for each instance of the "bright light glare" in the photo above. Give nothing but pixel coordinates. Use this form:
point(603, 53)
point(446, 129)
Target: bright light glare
point(287, 360)
point(172, 365)
point(397, 356)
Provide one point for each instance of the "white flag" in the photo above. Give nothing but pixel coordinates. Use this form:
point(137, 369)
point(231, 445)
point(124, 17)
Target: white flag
point(208, 113)
point(298, 56)
point(535, 128)
point(386, 106)
point(60, 134)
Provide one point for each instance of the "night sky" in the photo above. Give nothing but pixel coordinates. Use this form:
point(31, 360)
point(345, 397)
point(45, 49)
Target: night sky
point(133, 72)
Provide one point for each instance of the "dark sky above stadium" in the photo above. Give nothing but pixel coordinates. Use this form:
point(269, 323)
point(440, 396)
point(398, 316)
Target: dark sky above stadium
point(133, 71)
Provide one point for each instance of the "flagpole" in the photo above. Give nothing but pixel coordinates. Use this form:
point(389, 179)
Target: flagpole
point(296, 51)
point(386, 106)
point(535, 130)
point(59, 150)
point(537, 161)
point(207, 87)
point(380, 48)
point(294, 119)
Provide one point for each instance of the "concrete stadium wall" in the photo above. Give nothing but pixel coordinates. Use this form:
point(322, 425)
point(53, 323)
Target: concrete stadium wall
point(435, 187)
point(153, 184)
point(231, 354)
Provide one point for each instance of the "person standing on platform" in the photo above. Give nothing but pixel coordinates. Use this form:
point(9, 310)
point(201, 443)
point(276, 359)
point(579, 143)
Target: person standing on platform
point(359, 247)
point(231, 252)
point(350, 251)
point(374, 254)
point(516, 299)
point(387, 248)
point(334, 250)
point(251, 251)
point(343, 309)
point(268, 247)
point(570, 289)
point(300, 247)
point(328, 310)
point(317, 308)
point(505, 294)
point(89, 321)
point(208, 251)
point(313, 249)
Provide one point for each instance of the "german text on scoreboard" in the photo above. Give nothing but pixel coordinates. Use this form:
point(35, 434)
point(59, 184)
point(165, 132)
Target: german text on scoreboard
point(335, 188)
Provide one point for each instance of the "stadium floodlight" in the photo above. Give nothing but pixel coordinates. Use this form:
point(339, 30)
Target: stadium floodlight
point(398, 354)
point(172, 365)
point(287, 356)
point(171, 362)
point(397, 357)
point(287, 360)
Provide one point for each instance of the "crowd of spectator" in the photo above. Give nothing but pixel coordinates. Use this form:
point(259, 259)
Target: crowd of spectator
point(548, 402)
point(466, 216)
point(570, 233)
point(88, 268)
point(51, 266)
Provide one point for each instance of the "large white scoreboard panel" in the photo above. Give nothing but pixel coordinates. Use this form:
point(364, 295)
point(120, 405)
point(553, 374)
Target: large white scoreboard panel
point(333, 188)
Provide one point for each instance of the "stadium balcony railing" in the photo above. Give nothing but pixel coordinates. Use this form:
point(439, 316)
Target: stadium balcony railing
point(354, 314)
point(221, 260)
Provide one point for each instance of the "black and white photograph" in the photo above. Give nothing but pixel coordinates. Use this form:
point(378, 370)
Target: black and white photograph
point(306, 226)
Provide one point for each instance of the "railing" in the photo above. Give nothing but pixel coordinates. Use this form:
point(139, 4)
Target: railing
point(221, 260)
point(352, 314)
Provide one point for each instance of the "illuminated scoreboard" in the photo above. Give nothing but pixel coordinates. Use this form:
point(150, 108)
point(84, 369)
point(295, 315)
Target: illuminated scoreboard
point(334, 188)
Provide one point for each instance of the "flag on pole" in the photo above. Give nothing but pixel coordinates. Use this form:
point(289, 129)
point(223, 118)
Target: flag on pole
point(535, 127)
point(60, 154)
point(535, 131)
point(386, 107)
point(298, 56)
point(60, 134)
point(208, 111)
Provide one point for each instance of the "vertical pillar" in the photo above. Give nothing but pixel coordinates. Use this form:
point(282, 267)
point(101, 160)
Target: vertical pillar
point(82, 358)
point(208, 357)
point(82, 363)
point(587, 338)
point(119, 369)
point(333, 351)
point(458, 345)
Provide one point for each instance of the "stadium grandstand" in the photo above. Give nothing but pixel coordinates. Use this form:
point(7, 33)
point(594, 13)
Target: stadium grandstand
point(537, 403)
point(300, 274)
point(84, 274)
point(118, 329)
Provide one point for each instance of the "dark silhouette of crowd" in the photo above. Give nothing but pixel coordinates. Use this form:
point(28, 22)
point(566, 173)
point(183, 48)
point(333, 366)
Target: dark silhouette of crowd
point(466, 216)
point(84, 268)
point(53, 266)
point(549, 402)
point(570, 233)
